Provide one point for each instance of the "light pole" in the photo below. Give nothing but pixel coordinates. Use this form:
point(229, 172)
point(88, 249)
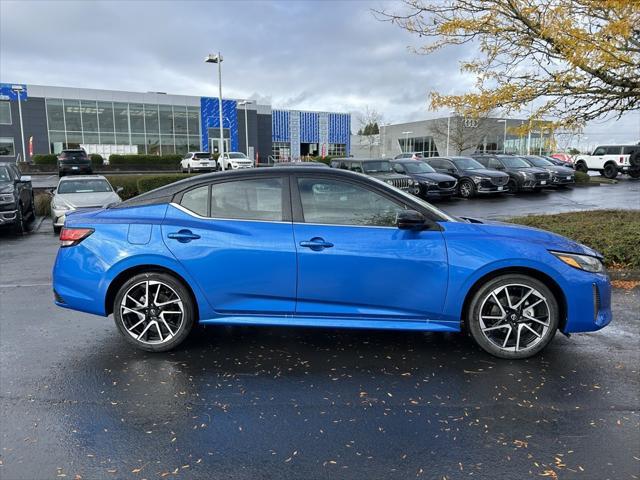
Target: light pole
point(406, 139)
point(211, 58)
point(246, 128)
point(541, 135)
point(504, 136)
point(18, 89)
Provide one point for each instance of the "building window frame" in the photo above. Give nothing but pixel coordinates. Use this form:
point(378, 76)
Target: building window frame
point(8, 103)
point(13, 146)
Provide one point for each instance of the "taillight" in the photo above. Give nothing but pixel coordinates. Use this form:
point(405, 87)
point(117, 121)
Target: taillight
point(73, 236)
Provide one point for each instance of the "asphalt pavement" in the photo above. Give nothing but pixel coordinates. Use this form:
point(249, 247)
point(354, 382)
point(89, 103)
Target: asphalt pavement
point(77, 401)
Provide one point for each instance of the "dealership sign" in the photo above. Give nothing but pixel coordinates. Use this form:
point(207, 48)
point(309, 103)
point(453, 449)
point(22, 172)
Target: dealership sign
point(13, 91)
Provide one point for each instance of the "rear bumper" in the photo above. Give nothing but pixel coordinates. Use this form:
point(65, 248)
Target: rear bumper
point(74, 168)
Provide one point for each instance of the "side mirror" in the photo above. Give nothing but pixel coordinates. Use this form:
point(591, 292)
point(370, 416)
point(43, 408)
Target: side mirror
point(451, 170)
point(410, 220)
point(25, 178)
point(119, 189)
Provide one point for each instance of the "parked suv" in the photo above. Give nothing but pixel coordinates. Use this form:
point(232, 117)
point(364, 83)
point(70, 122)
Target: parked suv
point(431, 184)
point(609, 160)
point(197, 162)
point(16, 198)
point(74, 161)
point(234, 161)
point(380, 169)
point(560, 176)
point(473, 177)
point(522, 176)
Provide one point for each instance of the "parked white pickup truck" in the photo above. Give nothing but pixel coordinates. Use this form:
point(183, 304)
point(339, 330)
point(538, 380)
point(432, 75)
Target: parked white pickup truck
point(610, 160)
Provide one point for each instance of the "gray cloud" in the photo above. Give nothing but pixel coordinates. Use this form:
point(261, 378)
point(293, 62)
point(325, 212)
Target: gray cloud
point(320, 55)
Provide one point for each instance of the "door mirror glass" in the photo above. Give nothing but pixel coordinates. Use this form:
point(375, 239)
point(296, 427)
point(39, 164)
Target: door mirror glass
point(410, 220)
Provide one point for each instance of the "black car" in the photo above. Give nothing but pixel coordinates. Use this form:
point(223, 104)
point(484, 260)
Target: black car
point(472, 177)
point(560, 176)
point(522, 176)
point(74, 161)
point(431, 184)
point(380, 169)
point(16, 198)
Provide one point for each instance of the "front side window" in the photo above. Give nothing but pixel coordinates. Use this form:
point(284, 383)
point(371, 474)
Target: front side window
point(467, 163)
point(196, 200)
point(5, 113)
point(493, 163)
point(255, 199)
point(4, 174)
point(600, 151)
point(7, 148)
point(335, 202)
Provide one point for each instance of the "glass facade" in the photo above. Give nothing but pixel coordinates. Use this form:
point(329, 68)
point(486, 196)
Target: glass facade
point(147, 128)
point(337, 150)
point(281, 150)
point(424, 145)
point(7, 148)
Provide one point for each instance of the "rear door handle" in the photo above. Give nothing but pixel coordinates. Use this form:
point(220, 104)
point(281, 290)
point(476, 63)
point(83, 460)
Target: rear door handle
point(316, 244)
point(183, 236)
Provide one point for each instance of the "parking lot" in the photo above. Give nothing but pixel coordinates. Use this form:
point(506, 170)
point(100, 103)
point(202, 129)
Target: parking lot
point(78, 401)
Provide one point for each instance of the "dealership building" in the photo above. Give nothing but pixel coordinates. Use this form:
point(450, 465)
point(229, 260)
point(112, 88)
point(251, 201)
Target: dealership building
point(108, 121)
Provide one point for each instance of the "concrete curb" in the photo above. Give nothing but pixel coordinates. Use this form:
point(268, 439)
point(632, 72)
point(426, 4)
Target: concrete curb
point(624, 274)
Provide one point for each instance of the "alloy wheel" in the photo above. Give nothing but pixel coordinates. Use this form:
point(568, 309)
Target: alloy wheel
point(514, 317)
point(152, 312)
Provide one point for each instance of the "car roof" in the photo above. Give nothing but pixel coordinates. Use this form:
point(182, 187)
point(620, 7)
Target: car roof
point(83, 177)
point(406, 160)
point(365, 159)
point(300, 164)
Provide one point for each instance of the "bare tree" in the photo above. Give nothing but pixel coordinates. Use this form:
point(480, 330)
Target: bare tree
point(369, 131)
point(466, 134)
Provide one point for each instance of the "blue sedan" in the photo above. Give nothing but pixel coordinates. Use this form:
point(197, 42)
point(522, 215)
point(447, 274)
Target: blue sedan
point(325, 248)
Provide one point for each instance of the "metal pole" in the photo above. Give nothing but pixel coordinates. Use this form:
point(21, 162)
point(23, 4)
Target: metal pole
point(541, 132)
point(448, 126)
point(246, 128)
point(221, 147)
point(504, 137)
point(24, 151)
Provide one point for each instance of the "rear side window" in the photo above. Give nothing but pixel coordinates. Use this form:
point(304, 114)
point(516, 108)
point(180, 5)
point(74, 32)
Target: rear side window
point(483, 161)
point(614, 150)
point(256, 199)
point(201, 155)
point(630, 149)
point(196, 200)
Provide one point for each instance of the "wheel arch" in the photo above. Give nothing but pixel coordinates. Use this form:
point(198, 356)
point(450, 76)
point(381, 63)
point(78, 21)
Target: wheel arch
point(125, 275)
point(532, 272)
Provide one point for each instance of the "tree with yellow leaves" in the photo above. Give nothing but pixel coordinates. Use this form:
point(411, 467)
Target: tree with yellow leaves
point(577, 59)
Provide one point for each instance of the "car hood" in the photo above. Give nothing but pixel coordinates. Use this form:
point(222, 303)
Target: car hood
point(84, 200)
point(551, 241)
point(387, 176)
point(434, 177)
point(6, 187)
point(484, 172)
point(527, 169)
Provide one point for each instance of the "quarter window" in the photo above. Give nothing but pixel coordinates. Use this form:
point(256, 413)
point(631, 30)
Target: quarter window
point(5, 113)
point(196, 200)
point(258, 199)
point(335, 202)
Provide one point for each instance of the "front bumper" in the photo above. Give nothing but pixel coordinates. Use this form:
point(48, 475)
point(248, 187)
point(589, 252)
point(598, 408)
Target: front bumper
point(588, 302)
point(8, 217)
point(240, 166)
point(563, 180)
point(487, 186)
point(533, 184)
point(433, 191)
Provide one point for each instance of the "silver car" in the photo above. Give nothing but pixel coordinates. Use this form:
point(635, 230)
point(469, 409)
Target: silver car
point(81, 192)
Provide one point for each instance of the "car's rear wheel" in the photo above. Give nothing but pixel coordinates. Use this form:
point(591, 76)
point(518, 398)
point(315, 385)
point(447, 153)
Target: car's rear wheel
point(634, 173)
point(610, 171)
point(513, 186)
point(154, 311)
point(513, 316)
point(466, 188)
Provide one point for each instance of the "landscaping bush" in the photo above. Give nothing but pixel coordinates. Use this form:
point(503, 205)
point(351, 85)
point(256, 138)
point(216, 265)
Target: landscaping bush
point(96, 159)
point(48, 159)
point(172, 159)
point(128, 182)
point(150, 182)
point(42, 202)
point(614, 233)
point(582, 177)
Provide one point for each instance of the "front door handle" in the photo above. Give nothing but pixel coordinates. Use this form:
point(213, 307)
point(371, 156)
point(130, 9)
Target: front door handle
point(183, 236)
point(316, 244)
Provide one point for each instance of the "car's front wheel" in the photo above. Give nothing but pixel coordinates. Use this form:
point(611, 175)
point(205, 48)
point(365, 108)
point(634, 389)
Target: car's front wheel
point(513, 316)
point(154, 311)
point(467, 189)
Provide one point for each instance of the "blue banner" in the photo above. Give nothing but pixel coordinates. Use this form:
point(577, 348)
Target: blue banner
point(8, 91)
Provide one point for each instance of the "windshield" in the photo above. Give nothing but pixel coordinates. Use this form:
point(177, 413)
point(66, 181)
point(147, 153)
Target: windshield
point(237, 155)
point(539, 162)
point(381, 166)
point(4, 175)
point(84, 186)
point(201, 155)
point(418, 167)
point(514, 162)
point(464, 163)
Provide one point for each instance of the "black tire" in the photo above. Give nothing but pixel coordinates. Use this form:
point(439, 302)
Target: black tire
point(19, 226)
point(634, 173)
point(482, 303)
point(466, 189)
point(56, 230)
point(610, 171)
point(581, 167)
point(186, 305)
point(513, 186)
point(32, 210)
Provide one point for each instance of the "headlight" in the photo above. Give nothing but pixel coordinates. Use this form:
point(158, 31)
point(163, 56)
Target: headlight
point(581, 262)
point(6, 198)
point(390, 182)
point(60, 206)
point(413, 182)
point(476, 179)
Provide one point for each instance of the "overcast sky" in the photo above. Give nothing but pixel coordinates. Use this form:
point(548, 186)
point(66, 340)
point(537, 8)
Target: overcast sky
point(316, 55)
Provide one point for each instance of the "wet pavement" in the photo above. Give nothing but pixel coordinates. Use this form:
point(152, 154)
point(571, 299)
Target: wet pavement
point(76, 401)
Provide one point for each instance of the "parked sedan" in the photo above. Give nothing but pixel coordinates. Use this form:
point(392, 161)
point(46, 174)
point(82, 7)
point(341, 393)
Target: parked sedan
point(522, 176)
point(472, 177)
point(431, 183)
point(560, 176)
point(81, 193)
point(322, 247)
point(17, 207)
